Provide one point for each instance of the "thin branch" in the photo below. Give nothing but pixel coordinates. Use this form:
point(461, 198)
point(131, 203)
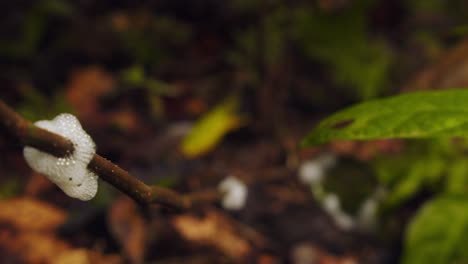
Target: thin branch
point(33, 136)
point(56, 145)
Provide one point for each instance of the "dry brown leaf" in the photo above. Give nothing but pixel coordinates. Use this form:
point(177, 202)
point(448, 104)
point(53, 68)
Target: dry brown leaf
point(125, 119)
point(36, 184)
point(128, 227)
point(84, 256)
point(307, 253)
point(78, 256)
point(96, 257)
point(213, 230)
point(267, 259)
point(85, 87)
point(28, 230)
point(32, 247)
point(30, 215)
point(450, 71)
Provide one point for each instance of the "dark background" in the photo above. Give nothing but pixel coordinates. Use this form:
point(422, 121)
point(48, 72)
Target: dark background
point(139, 74)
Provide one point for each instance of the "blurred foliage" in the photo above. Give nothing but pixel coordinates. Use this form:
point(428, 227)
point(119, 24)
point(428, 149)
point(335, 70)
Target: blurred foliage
point(437, 165)
point(341, 41)
point(436, 7)
point(105, 196)
point(211, 127)
point(436, 234)
point(246, 5)
point(353, 182)
point(264, 43)
point(243, 56)
point(36, 106)
point(146, 38)
point(33, 27)
point(337, 52)
point(439, 233)
point(10, 188)
point(422, 165)
point(135, 76)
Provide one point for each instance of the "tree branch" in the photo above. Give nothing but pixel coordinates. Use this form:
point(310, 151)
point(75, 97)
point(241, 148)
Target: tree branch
point(56, 145)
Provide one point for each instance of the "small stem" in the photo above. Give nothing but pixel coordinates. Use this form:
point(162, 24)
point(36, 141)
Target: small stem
point(33, 136)
point(56, 145)
point(144, 194)
point(133, 187)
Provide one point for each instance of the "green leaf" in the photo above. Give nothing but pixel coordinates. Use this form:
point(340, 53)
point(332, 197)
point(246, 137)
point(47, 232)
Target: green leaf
point(457, 177)
point(10, 188)
point(210, 129)
point(361, 63)
point(424, 164)
point(36, 106)
point(411, 115)
point(419, 174)
point(439, 233)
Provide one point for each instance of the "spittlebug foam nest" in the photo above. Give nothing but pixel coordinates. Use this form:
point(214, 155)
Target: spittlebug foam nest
point(235, 193)
point(313, 171)
point(331, 204)
point(366, 217)
point(70, 173)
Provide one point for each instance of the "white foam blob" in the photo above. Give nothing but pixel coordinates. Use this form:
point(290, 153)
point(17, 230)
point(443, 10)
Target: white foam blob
point(313, 171)
point(70, 173)
point(235, 193)
point(331, 204)
point(327, 160)
point(367, 214)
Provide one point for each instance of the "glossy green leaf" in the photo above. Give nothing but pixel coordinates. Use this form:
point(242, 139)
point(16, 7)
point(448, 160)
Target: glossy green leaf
point(439, 233)
point(412, 115)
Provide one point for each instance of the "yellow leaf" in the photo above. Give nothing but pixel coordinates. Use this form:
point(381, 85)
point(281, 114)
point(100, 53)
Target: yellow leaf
point(210, 128)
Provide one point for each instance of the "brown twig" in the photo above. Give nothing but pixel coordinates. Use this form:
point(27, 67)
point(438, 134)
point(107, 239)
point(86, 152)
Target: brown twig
point(56, 145)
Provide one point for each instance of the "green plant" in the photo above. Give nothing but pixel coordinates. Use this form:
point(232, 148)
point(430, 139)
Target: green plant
point(437, 232)
point(340, 41)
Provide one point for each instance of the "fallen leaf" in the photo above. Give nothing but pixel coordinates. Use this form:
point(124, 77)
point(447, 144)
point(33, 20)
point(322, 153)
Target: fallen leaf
point(128, 227)
point(29, 232)
point(125, 120)
point(30, 215)
point(84, 88)
point(213, 230)
point(33, 247)
point(96, 257)
point(84, 256)
point(450, 71)
point(36, 184)
point(78, 256)
point(211, 128)
point(308, 253)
